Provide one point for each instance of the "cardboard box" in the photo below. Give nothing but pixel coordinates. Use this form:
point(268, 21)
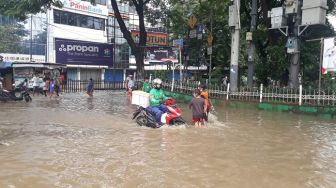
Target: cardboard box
point(140, 98)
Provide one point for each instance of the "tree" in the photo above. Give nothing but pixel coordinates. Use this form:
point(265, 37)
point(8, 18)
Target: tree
point(137, 49)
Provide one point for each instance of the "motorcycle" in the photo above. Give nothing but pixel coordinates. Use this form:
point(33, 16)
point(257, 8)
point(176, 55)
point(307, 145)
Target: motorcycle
point(12, 95)
point(144, 117)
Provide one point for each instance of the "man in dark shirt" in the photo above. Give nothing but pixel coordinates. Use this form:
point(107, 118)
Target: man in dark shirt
point(198, 107)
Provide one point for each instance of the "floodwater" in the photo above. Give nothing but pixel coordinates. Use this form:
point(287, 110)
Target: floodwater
point(76, 141)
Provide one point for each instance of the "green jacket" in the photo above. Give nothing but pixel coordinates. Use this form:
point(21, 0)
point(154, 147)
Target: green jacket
point(156, 97)
point(146, 87)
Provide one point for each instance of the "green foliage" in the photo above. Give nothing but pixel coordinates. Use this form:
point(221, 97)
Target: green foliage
point(9, 39)
point(162, 74)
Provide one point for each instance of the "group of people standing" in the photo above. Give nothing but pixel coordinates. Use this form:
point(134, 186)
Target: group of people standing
point(200, 106)
point(51, 86)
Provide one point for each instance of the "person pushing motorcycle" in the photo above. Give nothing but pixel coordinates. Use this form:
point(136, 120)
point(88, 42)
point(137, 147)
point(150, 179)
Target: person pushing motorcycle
point(157, 97)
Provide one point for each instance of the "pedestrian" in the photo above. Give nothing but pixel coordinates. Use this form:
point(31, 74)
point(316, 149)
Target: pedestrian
point(205, 96)
point(126, 82)
point(51, 88)
point(35, 85)
point(198, 108)
point(130, 85)
point(45, 87)
point(89, 88)
point(56, 85)
point(146, 86)
point(224, 81)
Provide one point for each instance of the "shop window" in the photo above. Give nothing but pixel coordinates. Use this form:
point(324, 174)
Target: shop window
point(57, 18)
point(67, 18)
point(72, 20)
point(64, 18)
point(90, 23)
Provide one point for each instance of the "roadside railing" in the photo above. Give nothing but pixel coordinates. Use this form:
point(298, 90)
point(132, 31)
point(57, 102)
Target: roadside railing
point(300, 96)
point(81, 85)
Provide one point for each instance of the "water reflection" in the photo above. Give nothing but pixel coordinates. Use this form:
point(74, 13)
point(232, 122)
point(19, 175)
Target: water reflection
point(90, 103)
point(76, 141)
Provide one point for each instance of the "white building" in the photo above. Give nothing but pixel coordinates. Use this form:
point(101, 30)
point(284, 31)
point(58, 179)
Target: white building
point(82, 36)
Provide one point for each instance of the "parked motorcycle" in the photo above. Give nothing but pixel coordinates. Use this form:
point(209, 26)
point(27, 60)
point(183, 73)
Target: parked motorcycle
point(18, 94)
point(144, 117)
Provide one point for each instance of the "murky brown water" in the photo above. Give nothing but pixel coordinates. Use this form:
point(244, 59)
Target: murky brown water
point(76, 141)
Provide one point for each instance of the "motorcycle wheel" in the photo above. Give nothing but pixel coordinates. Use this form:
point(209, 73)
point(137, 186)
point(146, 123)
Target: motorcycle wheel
point(141, 121)
point(27, 98)
point(179, 121)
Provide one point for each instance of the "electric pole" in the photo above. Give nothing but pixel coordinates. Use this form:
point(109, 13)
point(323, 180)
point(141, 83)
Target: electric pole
point(235, 45)
point(295, 57)
point(252, 50)
point(31, 39)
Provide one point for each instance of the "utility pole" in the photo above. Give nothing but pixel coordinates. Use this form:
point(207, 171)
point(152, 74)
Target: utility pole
point(210, 63)
point(31, 39)
point(252, 50)
point(235, 46)
point(295, 57)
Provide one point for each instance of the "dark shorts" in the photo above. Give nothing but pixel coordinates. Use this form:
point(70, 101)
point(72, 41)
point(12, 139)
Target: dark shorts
point(35, 88)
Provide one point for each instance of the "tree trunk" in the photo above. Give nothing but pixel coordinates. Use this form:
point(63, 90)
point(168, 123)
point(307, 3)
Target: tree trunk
point(139, 59)
point(137, 49)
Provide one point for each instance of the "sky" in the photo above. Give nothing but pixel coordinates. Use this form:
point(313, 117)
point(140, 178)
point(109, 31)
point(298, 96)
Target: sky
point(332, 20)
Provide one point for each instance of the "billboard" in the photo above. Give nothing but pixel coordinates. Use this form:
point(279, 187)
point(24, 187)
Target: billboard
point(153, 38)
point(161, 55)
point(329, 56)
point(83, 53)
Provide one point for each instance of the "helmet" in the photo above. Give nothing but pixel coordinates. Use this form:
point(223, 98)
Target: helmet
point(157, 83)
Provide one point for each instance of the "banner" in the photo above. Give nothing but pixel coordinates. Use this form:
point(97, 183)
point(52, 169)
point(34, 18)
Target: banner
point(83, 53)
point(85, 6)
point(329, 56)
point(153, 38)
point(161, 55)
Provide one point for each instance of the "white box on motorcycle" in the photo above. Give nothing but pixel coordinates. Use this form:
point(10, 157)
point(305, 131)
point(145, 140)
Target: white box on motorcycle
point(140, 98)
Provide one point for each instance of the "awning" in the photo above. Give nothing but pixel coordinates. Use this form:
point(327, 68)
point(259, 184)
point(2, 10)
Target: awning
point(38, 65)
point(5, 65)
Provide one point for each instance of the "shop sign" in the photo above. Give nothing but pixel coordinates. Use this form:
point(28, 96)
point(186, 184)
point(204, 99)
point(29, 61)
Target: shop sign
point(23, 58)
point(85, 7)
point(83, 53)
point(153, 38)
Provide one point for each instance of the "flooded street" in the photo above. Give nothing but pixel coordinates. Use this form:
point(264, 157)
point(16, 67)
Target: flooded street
point(76, 141)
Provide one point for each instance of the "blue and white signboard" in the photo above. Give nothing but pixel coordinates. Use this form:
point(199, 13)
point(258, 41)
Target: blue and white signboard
point(83, 53)
point(178, 42)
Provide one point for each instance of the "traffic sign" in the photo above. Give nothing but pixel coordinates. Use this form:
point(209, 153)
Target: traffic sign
point(193, 33)
point(200, 29)
point(178, 42)
point(210, 40)
point(209, 50)
point(192, 21)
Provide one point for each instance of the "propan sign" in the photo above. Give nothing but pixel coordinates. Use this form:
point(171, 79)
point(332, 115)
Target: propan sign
point(83, 53)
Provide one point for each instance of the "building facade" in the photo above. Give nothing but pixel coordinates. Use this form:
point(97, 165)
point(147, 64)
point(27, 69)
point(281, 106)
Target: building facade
point(88, 40)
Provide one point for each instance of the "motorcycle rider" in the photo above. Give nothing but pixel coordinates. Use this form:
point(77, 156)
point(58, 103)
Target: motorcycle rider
point(157, 96)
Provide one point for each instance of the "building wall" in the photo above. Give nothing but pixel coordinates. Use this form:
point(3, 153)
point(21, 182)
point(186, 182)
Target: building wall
point(56, 30)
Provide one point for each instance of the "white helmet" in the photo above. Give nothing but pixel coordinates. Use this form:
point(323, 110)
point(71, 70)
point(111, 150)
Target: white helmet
point(157, 81)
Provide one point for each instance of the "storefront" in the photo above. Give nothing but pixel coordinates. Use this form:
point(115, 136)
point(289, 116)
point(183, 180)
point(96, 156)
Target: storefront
point(21, 71)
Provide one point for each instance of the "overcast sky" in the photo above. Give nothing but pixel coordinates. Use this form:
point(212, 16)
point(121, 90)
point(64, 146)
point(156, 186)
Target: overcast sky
point(332, 20)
